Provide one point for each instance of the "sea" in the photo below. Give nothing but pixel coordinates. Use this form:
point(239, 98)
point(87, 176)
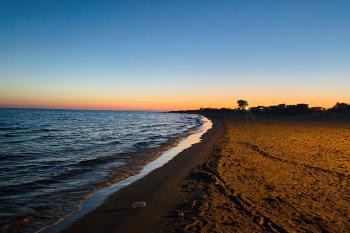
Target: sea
point(52, 161)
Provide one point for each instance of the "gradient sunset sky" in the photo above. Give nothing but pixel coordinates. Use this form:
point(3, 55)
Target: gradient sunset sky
point(164, 55)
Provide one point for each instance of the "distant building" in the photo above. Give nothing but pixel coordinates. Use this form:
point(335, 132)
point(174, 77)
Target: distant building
point(317, 109)
point(297, 109)
point(341, 108)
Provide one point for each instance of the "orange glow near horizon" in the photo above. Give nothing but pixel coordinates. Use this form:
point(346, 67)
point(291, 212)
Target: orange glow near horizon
point(175, 92)
point(181, 102)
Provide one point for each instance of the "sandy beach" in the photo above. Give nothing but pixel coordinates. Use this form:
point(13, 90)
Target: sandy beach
point(273, 174)
point(249, 174)
point(174, 116)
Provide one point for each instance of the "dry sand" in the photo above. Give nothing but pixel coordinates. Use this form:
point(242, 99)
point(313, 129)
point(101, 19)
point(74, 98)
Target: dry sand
point(272, 174)
point(264, 174)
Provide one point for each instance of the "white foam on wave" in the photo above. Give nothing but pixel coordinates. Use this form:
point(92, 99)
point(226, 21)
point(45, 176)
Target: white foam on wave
point(98, 197)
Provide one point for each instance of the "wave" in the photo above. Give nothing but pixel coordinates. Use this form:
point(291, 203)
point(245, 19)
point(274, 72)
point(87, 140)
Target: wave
point(144, 144)
point(16, 141)
point(24, 140)
point(45, 130)
point(78, 168)
point(33, 184)
point(154, 125)
point(11, 128)
point(116, 142)
point(30, 132)
point(96, 161)
point(8, 135)
point(153, 137)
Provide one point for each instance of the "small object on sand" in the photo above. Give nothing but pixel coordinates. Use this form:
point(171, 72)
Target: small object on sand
point(139, 204)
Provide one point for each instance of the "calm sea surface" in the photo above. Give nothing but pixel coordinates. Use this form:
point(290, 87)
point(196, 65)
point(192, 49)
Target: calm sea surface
point(51, 160)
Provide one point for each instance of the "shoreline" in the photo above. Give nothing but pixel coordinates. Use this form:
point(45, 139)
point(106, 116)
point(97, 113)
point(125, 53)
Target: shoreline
point(94, 164)
point(99, 197)
point(247, 175)
point(160, 189)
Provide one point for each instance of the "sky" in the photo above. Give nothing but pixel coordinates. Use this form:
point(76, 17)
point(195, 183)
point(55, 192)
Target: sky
point(167, 55)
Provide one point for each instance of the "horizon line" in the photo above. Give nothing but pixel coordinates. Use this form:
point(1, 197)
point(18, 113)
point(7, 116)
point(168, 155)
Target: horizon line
point(131, 110)
point(81, 109)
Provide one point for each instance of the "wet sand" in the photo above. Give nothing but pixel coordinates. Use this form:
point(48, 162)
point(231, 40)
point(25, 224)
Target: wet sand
point(161, 190)
point(249, 174)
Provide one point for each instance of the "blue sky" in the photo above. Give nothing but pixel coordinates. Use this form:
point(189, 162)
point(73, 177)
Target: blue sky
point(132, 51)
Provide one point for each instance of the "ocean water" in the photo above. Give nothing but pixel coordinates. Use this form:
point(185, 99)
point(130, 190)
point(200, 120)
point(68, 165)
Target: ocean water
point(52, 160)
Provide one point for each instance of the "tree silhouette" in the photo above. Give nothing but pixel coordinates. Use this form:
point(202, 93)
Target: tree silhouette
point(341, 107)
point(242, 104)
